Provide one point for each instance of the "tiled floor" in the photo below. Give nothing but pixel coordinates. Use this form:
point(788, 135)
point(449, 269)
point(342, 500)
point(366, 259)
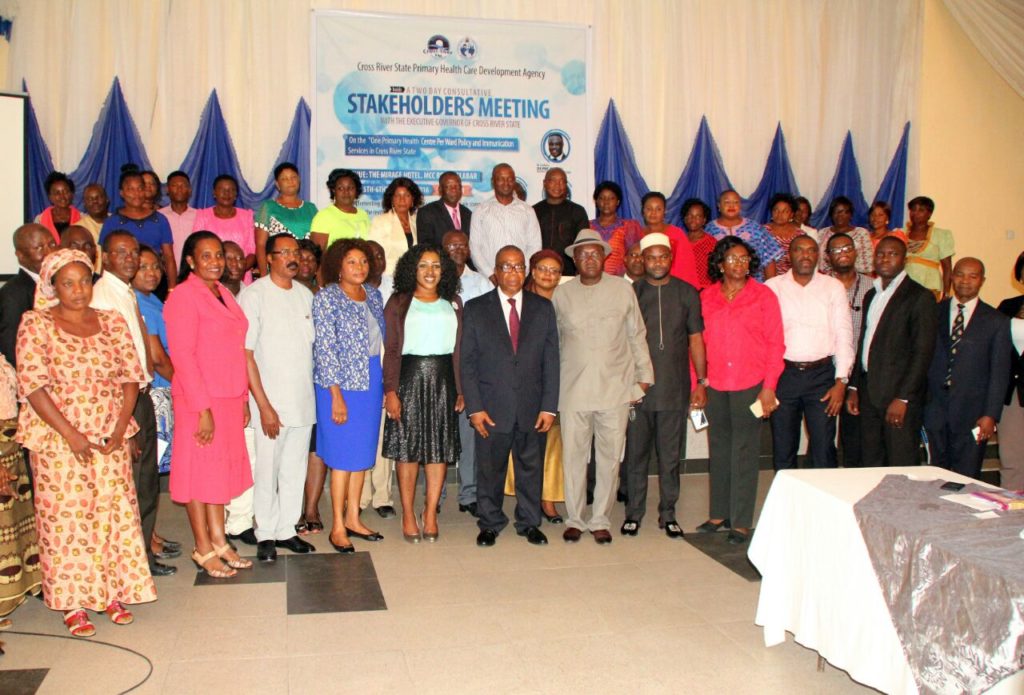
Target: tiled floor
point(644, 614)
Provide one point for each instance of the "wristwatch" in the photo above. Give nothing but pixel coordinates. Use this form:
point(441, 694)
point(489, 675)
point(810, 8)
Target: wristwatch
point(844, 381)
point(703, 382)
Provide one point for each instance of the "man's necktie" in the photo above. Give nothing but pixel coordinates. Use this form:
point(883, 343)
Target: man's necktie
point(954, 340)
point(513, 324)
point(456, 219)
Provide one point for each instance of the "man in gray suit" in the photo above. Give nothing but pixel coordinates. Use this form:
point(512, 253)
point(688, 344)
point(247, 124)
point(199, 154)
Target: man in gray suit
point(605, 367)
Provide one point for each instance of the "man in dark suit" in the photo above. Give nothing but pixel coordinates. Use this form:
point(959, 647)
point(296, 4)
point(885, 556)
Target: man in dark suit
point(32, 243)
point(890, 376)
point(434, 220)
point(510, 371)
point(969, 373)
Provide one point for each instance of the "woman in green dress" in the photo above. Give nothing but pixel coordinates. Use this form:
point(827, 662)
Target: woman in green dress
point(285, 213)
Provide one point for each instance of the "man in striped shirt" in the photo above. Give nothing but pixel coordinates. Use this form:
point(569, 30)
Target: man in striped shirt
point(502, 221)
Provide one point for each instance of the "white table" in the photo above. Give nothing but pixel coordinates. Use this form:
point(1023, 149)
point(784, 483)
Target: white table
point(817, 579)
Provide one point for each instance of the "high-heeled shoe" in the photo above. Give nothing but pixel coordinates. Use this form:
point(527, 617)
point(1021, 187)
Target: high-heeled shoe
point(239, 564)
point(428, 537)
point(555, 518)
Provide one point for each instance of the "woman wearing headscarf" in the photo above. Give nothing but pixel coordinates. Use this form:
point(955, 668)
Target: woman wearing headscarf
point(79, 376)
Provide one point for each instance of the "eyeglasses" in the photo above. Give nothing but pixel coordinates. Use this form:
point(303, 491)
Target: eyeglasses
point(287, 253)
point(836, 250)
point(547, 270)
point(512, 267)
point(453, 247)
point(737, 260)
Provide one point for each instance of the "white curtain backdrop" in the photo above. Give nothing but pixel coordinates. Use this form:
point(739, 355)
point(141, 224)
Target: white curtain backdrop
point(821, 67)
point(996, 28)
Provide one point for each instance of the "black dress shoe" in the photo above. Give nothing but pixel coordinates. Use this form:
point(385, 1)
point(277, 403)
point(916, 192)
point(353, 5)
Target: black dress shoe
point(673, 530)
point(471, 508)
point(296, 545)
point(533, 535)
point(602, 536)
point(158, 569)
point(572, 535)
point(553, 518)
point(385, 512)
point(630, 527)
point(737, 538)
point(486, 538)
point(265, 551)
point(365, 536)
point(711, 527)
point(172, 546)
point(167, 554)
point(248, 536)
point(343, 549)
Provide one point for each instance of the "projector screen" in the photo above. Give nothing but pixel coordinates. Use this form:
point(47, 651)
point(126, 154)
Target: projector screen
point(12, 177)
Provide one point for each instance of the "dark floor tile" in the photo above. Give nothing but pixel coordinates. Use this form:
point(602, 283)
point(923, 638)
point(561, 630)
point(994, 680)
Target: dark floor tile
point(261, 573)
point(22, 681)
point(322, 567)
point(717, 547)
point(333, 583)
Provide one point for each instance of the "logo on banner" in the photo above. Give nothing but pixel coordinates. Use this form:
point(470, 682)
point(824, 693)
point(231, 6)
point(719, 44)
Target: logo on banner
point(438, 46)
point(467, 48)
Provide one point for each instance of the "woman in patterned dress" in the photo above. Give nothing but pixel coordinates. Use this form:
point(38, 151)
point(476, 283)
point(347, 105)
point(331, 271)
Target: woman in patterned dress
point(19, 550)
point(783, 227)
point(79, 374)
point(620, 233)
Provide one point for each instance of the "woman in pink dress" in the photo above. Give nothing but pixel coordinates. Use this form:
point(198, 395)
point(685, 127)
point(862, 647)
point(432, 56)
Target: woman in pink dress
point(206, 334)
point(78, 379)
point(228, 222)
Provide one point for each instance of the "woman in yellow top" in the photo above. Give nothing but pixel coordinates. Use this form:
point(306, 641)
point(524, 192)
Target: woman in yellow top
point(343, 219)
point(929, 249)
point(395, 228)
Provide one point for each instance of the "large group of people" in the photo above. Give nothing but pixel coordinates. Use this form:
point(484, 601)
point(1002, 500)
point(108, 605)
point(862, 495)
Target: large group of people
point(544, 354)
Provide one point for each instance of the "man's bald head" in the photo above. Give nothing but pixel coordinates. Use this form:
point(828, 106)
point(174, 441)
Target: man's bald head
point(80, 239)
point(32, 243)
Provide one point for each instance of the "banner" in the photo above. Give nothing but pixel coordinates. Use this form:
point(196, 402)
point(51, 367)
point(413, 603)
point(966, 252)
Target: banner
point(416, 96)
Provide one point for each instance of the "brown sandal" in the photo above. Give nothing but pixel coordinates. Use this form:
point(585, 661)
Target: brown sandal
point(239, 564)
point(201, 561)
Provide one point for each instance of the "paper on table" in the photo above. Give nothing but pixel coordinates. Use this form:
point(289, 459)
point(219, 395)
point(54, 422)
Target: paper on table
point(986, 515)
point(969, 500)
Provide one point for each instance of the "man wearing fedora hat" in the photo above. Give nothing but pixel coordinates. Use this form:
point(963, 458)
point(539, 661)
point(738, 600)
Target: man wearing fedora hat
point(671, 311)
point(605, 368)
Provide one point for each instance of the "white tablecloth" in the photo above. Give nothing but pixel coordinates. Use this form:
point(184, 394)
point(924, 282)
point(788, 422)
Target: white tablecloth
point(818, 581)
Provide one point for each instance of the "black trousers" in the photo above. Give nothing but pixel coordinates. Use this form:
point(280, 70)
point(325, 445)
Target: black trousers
point(144, 468)
point(666, 430)
point(952, 448)
point(881, 443)
point(734, 446)
point(527, 449)
point(849, 438)
point(799, 393)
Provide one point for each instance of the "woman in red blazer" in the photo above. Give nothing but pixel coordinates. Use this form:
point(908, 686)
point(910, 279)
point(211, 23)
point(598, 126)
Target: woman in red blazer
point(206, 337)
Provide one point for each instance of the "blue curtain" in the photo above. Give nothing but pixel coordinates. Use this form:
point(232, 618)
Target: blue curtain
point(614, 161)
point(5, 28)
point(294, 149)
point(115, 141)
point(212, 154)
point(704, 176)
point(894, 186)
point(846, 181)
point(777, 178)
point(40, 164)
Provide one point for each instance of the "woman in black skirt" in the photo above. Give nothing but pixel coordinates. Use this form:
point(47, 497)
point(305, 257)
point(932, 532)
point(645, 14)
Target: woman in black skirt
point(422, 392)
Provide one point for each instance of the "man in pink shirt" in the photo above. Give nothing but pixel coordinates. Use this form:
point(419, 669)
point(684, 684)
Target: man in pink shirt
point(180, 215)
point(819, 356)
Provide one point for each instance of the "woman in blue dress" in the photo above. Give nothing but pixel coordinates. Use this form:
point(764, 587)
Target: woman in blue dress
point(348, 317)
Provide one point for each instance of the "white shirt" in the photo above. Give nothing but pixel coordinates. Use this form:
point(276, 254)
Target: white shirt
point(506, 308)
point(496, 225)
point(816, 320)
point(34, 276)
point(1017, 334)
point(280, 336)
point(878, 304)
point(473, 285)
point(111, 293)
point(969, 307)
